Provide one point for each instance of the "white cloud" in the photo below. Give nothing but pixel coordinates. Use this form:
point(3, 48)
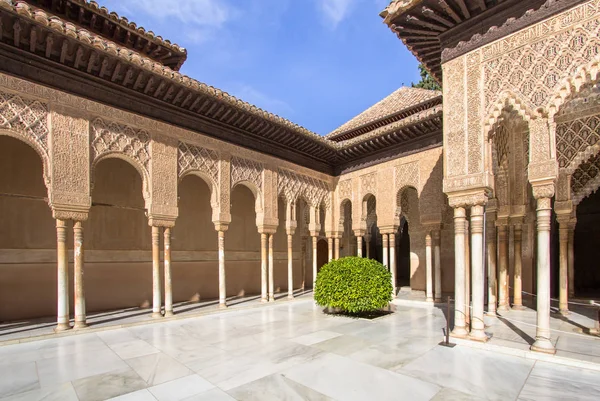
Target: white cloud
point(253, 96)
point(195, 12)
point(335, 11)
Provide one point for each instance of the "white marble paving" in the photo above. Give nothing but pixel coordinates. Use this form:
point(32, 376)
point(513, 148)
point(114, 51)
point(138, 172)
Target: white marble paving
point(292, 352)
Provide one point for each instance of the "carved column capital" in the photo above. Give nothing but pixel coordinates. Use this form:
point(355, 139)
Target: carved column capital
point(468, 198)
point(545, 190)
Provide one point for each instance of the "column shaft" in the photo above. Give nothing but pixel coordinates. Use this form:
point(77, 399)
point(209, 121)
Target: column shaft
point(80, 314)
point(518, 282)
point(222, 285)
point(62, 320)
point(503, 268)
point(491, 262)
point(290, 267)
point(168, 283)
point(393, 268)
point(571, 259)
point(437, 266)
point(337, 247)
point(467, 275)
point(542, 336)
point(271, 278)
point(314, 260)
point(329, 249)
point(563, 295)
point(368, 246)
point(428, 269)
point(156, 293)
point(460, 329)
point(263, 268)
point(477, 276)
point(359, 246)
point(384, 241)
point(303, 263)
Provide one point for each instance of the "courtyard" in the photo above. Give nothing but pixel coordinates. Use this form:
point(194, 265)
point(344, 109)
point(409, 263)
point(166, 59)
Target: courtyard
point(287, 351)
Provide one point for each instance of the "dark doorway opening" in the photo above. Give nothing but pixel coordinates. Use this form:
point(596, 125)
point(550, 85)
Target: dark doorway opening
point(587, 251)
point(403, 255)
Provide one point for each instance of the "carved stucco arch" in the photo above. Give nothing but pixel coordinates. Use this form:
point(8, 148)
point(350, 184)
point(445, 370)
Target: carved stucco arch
point(399, 212)
point(343, 203)
point(130, 160)
point(212, 186)
point(507, 100)
point(23, 137)
point(258, 204)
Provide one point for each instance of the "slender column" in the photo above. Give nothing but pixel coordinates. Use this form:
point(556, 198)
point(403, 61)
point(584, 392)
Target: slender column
point(467, 275)
point(437, 267)
point(303, 263)
point(156, 295)
point(263, 268)
point(429, 269)
point(314, 259)
point(460, 329)
point(168, 283)
point(384, 241)
point(393, 268)
point(491, 261)
point(368, 245)
point(80, 315)
point(542, 336)
point(329, 248)
point(477, 325)
point(518, 252)
point(337, 247)
point(222, 286)
point(62, 321)
point(290, 268)
point(503, 267)
point(563, 233)
point(359, 246)
point(571, 257)
point(271, 279)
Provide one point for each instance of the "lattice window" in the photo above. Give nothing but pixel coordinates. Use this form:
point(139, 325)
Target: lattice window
point(574, 137)
point(116, 138)
point(246, 170)
point(29, 117)
point(192, 157)
point(585, 179)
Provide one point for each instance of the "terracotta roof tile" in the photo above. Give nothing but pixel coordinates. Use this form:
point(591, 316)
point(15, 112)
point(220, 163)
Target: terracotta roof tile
point(401, 99)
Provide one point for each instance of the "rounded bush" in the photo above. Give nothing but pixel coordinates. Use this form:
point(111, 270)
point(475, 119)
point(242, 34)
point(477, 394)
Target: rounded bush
point(353, 285)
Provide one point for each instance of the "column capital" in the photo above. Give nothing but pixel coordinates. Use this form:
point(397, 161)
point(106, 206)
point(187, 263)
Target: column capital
point(468, 198)
point(267, 229)
point(221, 226)
point(390, 229)
point(428, 240)
point(564, 207)
point(359, 233)
point(161, 221)
point(516, 221)
point(71, 213)
point(543, 190)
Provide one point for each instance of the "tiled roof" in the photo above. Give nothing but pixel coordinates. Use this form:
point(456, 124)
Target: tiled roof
point(401, 99)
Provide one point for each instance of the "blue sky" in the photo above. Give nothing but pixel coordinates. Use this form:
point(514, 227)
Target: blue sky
point(317, 63)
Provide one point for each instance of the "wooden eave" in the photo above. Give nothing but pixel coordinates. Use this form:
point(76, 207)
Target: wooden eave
point(89, 15)
point(436, 31)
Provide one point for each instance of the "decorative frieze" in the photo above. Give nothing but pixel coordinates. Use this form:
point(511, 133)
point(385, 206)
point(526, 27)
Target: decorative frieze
point(196, 158)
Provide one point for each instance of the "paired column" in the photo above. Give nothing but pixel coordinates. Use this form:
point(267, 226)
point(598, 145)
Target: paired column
point(263, 267)
point(491, 259)
point(503, 303)
point(156, 292)
point(168, 287)
point(477, 324)
point(62, 321)
point(542, 336)
point(271, 279)
point(393, 268)
point(518, 253)
point(80, 313)
point(563, 279)
point(460, 329)
point(429, 269)
point(437, 265)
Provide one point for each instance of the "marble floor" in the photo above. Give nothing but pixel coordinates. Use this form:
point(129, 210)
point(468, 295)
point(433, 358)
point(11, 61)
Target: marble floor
point(283, 351)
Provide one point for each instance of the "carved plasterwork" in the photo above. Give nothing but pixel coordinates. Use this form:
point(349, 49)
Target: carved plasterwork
point(245, 170)
point(407, 175)
point(585, 179)
point(454, 114)
point(113, 138)
point(576, 141)
point(30, 117)
point(368, 184)
point(345, 189)
point(196, 158)
point(293, 186)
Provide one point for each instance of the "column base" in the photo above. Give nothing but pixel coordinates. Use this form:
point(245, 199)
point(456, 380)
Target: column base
point(156, 315)
point(503, 308)
point(168, 313)
point(62, 327)
point(478, 335)
point(80, 325)
point(564, 312)
point(518, 307)
point(222, 305)
point(459, 332)
point(543, 345)
point(264, 300)
point(290, 296)
point(437, 300)
point(271, 298)
point(429, 300)
point(491, 313)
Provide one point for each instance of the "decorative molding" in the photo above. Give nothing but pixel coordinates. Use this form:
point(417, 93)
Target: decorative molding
point(368, 184)
point(292, 186)
point(408, 174)
point(196, 158)
point(246, 170)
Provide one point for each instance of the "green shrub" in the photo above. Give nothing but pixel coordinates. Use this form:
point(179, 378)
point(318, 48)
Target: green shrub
point(353, 285)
